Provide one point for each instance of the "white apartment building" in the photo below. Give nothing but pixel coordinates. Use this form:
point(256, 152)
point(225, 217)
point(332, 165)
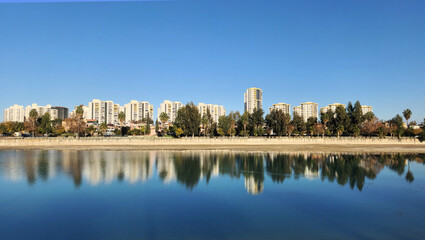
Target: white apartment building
point(41, 110)
point(366, 109)
point(14, 113)
point(104, 111)
point(253, 98)
point(296, 110)
point(216, 111)
point(281, 106)
point(136, 110)
point(331, 107)
point(307, 110)
point(170, 108)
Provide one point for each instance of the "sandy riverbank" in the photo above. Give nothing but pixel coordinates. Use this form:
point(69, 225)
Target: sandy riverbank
point(326, 145)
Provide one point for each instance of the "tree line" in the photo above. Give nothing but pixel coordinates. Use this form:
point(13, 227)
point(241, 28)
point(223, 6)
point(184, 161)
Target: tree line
point(344, 121)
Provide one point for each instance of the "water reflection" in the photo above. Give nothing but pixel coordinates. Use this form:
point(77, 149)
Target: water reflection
point(190, 167)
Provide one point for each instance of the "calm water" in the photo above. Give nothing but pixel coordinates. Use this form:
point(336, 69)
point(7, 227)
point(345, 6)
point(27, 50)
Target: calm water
point(74, 194)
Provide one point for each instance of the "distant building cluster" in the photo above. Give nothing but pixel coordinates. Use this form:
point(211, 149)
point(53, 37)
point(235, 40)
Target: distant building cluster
point(17, 113)
point(100, 111)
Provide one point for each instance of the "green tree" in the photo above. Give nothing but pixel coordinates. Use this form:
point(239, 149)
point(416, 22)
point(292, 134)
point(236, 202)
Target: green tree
point(206, 121)
point(46, 124)
point(257, 121)
point(397, 121)
point(244, 120)
point(325, 118)
point(298, 124)
point(189, 119)
point(163, 117)
point(278, 121)
point(407, 114)
point(311, 122)
point(103, 127)
point(31, 123)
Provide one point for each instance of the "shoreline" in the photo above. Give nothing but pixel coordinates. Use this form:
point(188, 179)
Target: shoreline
point(284, 144)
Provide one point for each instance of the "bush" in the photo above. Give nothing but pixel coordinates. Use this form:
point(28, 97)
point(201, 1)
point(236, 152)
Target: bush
point(422, 136)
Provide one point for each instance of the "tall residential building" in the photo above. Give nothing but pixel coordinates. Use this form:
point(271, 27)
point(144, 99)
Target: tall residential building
point(63, 112)
point(14, 113)
point(216, 111)
point(366, 109)
point(104, 111)
point(306, 110)
point(85, 111)
point(41, 110)
point(170, 108)
point(253, 98)
point(281, 106)
point(331, 107)
point(136, 110)
point(296, 110)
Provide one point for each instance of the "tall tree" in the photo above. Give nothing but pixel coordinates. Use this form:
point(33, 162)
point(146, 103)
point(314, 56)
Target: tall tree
point(31, 123)
point(121, 118)
point(298, 124)
point(257, 121)
point(46, 124)
point(278, 121)
point(407, 114)
point(244, 120)
point(189, 119)
point(163, 117)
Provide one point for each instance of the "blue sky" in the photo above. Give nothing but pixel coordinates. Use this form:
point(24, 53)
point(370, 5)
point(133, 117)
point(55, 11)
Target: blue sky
point(210, 51)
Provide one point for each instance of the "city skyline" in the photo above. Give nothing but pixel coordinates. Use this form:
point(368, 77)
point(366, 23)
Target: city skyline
point(210, 53)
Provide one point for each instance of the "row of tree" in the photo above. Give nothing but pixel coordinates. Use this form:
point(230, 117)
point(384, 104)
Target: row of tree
point(349, 121)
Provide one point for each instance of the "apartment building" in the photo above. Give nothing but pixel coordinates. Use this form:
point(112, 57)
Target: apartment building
point(281, 106)
point(170, 108)
point(14, 113)
point(307, 110)
point(103, 111)
point(331, 107)
point(366, 109)
point(137, 110)
point(296, 110)
point(41, 110)
point(253, 98)
point(216, 111)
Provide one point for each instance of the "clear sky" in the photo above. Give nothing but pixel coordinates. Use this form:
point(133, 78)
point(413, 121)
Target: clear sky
point(66, 54)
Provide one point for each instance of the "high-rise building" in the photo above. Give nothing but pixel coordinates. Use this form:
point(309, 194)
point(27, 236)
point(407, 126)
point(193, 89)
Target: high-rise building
point(41, 110)
point(136, 111)
point(15, 113)
point(307, 110)
point(216, 111)
point(366, 109)
point(253, 98)
point(297, 111)
point(331, 107)
point(104, 111)
point(63, 112)
point(281, 106)
point(170, 108)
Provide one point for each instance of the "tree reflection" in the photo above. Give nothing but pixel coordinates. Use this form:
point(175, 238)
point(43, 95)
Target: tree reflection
point(188, 168)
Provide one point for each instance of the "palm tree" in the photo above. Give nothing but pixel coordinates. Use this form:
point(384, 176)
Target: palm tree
point(121, 118)
point(103, 127)
point(407, 114)
point(409, 174)
point(164, 118)
point(245, 121)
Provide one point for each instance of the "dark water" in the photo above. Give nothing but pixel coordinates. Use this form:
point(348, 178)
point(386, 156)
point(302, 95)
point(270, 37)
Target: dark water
point(73, 194)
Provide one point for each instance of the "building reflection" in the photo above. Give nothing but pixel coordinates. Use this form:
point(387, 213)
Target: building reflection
point(190, 167)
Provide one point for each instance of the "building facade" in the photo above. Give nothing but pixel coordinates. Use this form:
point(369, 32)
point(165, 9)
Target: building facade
point(331, 107)
point(41, 110)
point(63, 112)
point(103, 111)
point(281, 106)
point(253, 98)
point(137, 110)
point(14, 113)
point(216, 111)
point(307, 110)
point(366, 109)
point(170, 108)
